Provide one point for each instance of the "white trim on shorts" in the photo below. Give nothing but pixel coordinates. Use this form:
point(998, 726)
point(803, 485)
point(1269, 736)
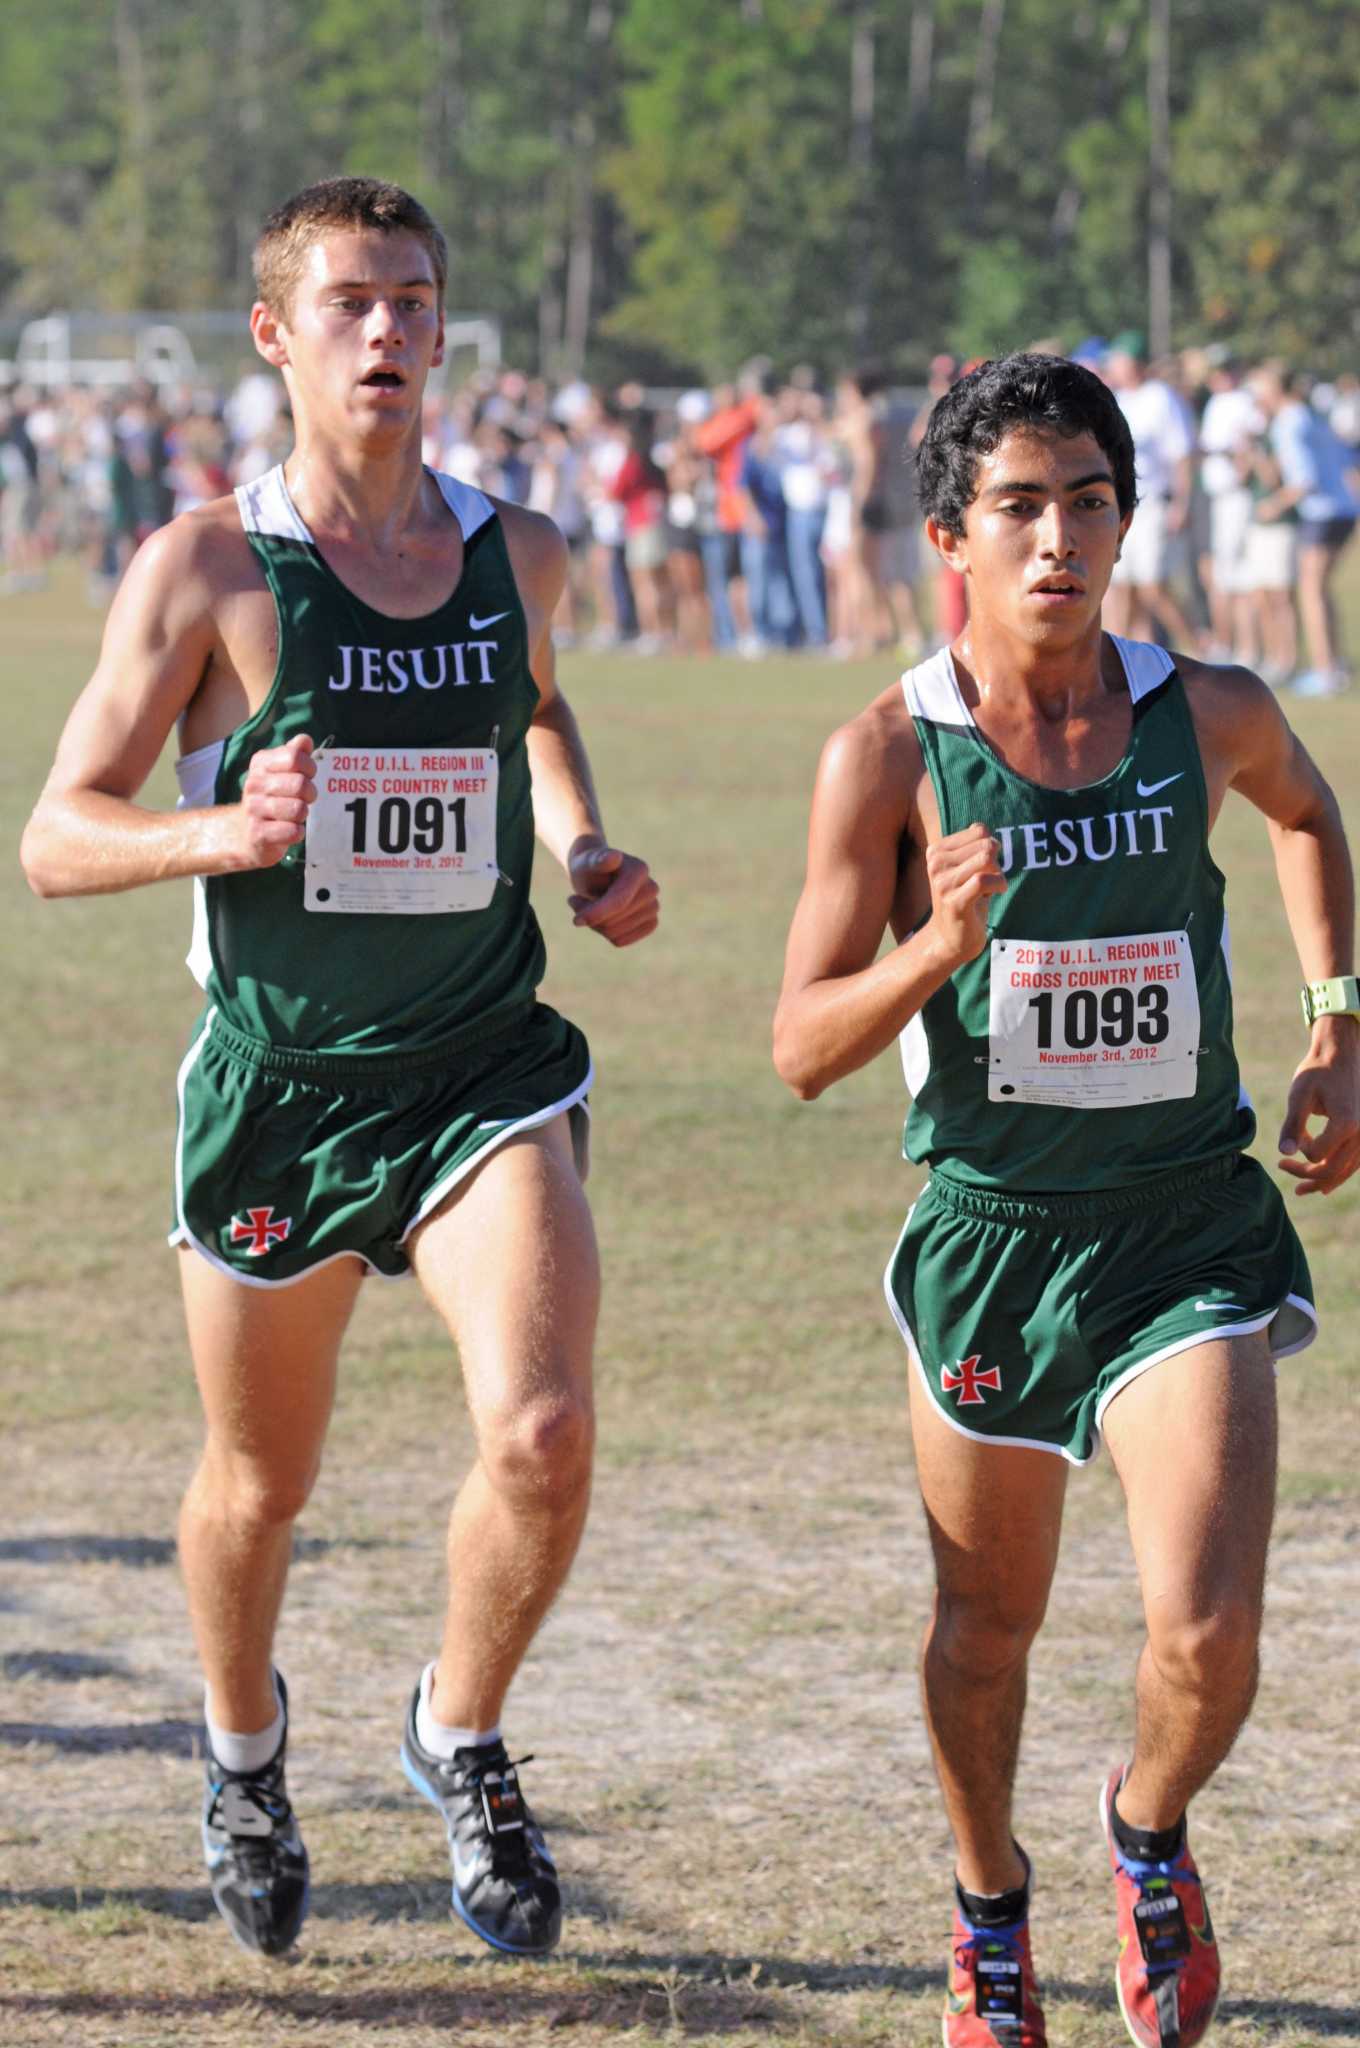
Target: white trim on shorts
point(1208, 1337)
point(182, 1235)
point(1017, 1443)
point(1029, 1443)
point(576, 1100)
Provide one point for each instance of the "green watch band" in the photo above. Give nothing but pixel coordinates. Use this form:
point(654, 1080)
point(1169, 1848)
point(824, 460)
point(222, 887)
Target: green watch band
point(1339, 997)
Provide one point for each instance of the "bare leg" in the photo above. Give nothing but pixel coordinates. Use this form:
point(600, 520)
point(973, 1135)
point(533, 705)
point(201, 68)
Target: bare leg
point(1317, 610)
point(1162, 613)
point(265, 1361)
point(1279, 630)
point(1193, 1441)
point(906, 618)
point(511, 1265)
point(1117, 612)
point(990, 1599)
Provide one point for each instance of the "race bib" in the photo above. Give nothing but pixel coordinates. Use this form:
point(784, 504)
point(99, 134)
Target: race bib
point(1093, 1023)
point(408, 831)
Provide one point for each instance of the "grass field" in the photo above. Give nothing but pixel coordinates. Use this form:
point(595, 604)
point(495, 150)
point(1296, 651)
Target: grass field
point(731, 1760)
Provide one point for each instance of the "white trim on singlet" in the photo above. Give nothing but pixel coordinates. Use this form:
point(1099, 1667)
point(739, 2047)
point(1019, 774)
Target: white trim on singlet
point(914, 1047)
point(196, 774)
point(932, 689)
point(266, 506)
point(469, 506)
point(1146, 666)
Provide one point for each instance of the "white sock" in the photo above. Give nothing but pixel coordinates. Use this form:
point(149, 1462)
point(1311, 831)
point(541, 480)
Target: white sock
point(439, 1740)
point(245, 1752)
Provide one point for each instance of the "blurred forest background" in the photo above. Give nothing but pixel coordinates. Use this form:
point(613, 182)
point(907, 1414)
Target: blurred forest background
point(662, 187)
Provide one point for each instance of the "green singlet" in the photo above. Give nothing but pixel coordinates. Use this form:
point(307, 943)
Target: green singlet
point(396, 700)
point(1105, 988)
point(372, 1029)
point(1076, 1096)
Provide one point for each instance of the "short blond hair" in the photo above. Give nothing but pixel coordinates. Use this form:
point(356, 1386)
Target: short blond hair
point(290, 230)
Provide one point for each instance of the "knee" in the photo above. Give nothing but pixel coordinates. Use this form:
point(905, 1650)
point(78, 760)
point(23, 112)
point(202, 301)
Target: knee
point(253, 1495)
point(1210, 1654)
point(985, 1632)
point(539, 1452)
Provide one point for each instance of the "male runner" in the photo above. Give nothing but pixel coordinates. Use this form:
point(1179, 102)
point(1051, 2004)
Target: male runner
point(358, 654)
point(1029, 813)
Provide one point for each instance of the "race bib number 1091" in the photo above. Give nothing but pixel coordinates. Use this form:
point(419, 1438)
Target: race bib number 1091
point(1093, 1023)
point(409, 831)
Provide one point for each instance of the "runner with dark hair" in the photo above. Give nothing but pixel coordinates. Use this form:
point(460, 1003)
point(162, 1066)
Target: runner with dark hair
point(1094, 1252)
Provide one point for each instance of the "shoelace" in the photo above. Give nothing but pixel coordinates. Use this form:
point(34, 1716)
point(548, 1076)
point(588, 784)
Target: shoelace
point(1153, 1877)
point(510, 1851)
point(1177, 1869)
point(255, 1854)
point(1007, 1937)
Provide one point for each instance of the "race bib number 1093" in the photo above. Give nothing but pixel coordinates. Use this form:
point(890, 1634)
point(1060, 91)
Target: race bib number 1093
point(1093, 1023)
point(408, 831)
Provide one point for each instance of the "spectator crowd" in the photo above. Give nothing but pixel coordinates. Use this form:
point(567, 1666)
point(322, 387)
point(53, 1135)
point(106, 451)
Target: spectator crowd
point(767, 516)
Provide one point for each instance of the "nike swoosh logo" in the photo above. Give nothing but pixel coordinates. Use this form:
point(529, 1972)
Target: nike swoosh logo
point(494, 618)
point(1207, 1308)
point(1151, 788)
point(464, 1869)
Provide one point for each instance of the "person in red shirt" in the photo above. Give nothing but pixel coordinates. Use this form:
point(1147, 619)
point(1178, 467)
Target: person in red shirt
point(639, 486)
point(723, 437)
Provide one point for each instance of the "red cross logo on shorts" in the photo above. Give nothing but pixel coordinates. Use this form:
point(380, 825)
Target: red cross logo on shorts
point(261, 1229)
point(971, 1380)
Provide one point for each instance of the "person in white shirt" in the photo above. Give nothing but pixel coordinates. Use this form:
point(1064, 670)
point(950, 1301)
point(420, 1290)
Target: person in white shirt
point(1229, 421)
point(1140, 602)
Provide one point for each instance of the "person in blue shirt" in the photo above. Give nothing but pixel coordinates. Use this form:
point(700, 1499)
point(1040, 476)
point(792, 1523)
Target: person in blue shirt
point(1315, 488)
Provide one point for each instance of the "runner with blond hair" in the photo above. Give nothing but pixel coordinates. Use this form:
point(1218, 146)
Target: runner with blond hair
point(356, 654)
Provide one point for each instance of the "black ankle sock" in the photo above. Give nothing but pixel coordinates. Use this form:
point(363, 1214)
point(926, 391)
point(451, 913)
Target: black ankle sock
point(996, 1909)
point(1147, 1845)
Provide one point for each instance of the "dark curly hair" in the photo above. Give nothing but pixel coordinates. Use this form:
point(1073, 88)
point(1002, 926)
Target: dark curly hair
point(976, 414)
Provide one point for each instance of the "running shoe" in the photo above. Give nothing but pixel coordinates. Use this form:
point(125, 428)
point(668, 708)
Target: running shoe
point(992, 1997)
point(1320, 682)
point(1167, 1976)
point(504, 1880)
point(257, 1864)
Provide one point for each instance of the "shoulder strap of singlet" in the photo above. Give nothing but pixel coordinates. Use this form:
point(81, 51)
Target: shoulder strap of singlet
point(267, 508)
point(469, 506)
point(1147, 667)
point(932, 692)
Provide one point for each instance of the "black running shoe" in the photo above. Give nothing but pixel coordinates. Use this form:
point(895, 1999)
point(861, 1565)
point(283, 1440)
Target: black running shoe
point(504, 1880)
point(256, 1861)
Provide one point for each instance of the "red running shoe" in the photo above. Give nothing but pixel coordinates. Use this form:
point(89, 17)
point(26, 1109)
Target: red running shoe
point(992, 1997)
point(1167, 1975)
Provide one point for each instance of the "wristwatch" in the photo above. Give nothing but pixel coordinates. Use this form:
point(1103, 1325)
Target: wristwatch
point(1339, 997)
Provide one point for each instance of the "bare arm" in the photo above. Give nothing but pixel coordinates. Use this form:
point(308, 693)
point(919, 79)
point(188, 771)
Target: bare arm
point(840, 1005)
point(1269, 766)
point(613, 892)
point(87, 835)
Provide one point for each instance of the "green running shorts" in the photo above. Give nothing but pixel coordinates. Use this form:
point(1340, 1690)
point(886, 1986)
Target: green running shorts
point(286, 1160)
point(1025, 1315)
